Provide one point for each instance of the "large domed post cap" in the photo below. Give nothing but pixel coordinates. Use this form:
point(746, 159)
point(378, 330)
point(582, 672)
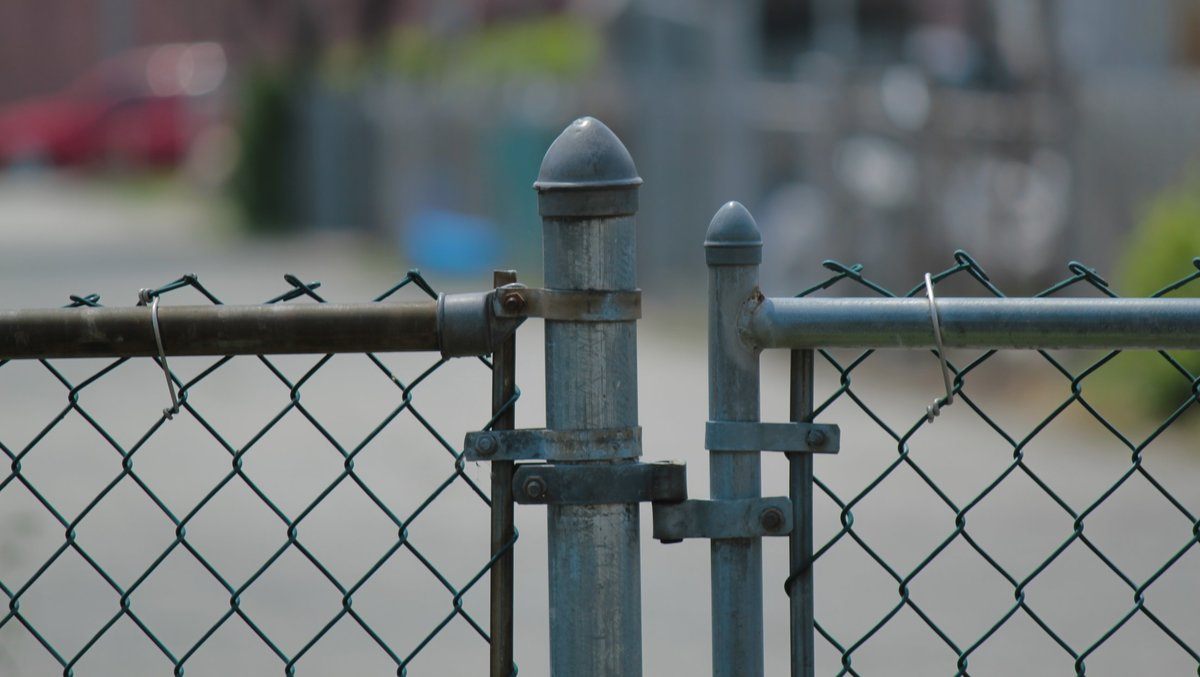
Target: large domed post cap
point(733, 238)
point(587, 172)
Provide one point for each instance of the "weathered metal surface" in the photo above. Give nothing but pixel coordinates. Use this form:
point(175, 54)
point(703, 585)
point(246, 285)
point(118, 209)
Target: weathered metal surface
point(468, 325)
point(503, 533)
point(1024, 323)
point(582, 305)
point(220, 330)
point(812, 438)
point(733, 394)
point(799, 585)
point(730, 518)
point(587, 193)
point(599, 483)
point(602, 444)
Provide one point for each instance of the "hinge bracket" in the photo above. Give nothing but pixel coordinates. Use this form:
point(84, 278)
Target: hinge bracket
point(726, 518)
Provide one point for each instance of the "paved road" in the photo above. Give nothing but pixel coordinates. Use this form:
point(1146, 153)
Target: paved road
point(902, 519)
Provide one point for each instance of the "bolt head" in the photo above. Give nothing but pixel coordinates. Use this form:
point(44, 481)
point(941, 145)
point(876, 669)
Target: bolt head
point(486, 445)
point(534, 487)
point(771, 519)
point(513, 302)
point(816, 438)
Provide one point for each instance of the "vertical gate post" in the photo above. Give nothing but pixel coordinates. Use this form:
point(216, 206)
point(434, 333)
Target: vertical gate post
point(733, 251)
point(504, 389)
point(799, 584)
point(587, 196)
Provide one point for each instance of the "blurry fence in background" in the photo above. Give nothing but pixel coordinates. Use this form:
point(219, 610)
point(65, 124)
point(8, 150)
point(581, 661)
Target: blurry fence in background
point(273, 521)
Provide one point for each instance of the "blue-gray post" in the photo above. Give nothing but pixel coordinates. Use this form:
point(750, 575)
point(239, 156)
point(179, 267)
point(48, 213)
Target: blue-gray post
point(800, 542)
point(587, 196)
point(733, 250)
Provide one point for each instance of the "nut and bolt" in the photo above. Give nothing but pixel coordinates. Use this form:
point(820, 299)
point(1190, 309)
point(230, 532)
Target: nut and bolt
point(534, 487)
point(513, 302)
point(486, 445)
point(771, 519)
point(816, 438)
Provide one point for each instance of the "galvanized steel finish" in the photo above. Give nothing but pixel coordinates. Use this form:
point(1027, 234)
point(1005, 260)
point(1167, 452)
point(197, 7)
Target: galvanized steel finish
point(733, 247)
point(990, 323)
point(587, 193)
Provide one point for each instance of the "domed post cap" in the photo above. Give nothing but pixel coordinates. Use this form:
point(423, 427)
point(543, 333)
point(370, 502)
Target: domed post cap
point(587, 172)
point(733, 238)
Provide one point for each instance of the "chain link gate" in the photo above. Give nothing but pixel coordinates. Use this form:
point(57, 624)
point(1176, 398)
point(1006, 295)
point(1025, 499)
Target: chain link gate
point(743, 323)
point(584, 466)
point(259, 334)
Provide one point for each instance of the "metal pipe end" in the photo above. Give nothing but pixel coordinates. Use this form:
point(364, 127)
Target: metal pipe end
point(733, 237)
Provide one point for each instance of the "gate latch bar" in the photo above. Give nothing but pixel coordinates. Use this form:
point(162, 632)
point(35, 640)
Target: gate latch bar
point(539, 444)
point(568, 305)
point(590, 484)
point(729, 518)
point(811, 438)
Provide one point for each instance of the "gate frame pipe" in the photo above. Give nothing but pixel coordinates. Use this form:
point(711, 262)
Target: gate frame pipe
point(733, 252)
point(587, 197)
point(1018, 323)
point(800, 542)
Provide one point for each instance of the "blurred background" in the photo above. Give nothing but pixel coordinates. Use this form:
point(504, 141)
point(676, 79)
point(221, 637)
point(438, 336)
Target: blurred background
point(349, 140)
point(886, 131)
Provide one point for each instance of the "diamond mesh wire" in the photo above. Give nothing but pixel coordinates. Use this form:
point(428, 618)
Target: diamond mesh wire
point(290, 526)
point(961, 646)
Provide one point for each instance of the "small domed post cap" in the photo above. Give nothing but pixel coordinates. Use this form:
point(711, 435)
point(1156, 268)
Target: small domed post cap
point(587, 172)
point(733, 238)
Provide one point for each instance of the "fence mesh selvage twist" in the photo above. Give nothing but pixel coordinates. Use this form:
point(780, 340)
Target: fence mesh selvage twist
point(966, 267)
point(124, 462)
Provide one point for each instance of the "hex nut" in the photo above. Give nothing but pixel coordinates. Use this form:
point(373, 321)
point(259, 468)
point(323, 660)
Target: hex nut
point(771, 519)
point(816, 438)
point(486, 445)
point(534, 487)
point(513, 302)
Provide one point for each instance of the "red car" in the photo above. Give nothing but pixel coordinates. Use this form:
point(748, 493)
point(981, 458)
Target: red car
point(143, 107)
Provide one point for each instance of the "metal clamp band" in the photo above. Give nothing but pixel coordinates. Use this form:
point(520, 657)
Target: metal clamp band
point(592, 484)
point(567, 305)
point(730, 518)
point(812, 438)
point(539, 444)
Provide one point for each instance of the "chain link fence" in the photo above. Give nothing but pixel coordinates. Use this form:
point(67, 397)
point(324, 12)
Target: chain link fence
point(1099, 569)
point(298, 514)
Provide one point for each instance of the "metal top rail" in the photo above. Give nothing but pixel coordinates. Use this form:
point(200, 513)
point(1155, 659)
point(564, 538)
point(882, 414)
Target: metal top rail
point(1023, 323)
point(220, 330)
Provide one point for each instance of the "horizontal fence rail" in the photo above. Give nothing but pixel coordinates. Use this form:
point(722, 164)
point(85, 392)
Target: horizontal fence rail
point(1022, 323)
point(220, 330)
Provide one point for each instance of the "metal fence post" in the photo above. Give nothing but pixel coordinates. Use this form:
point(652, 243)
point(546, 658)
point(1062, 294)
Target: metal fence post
point(587, 196)
point(733, 250)
point(504, 389)
point(799, 584)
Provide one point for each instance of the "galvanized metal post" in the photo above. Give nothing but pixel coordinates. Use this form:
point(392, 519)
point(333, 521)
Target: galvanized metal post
point(504, 388)
point(733, 250)
point(800, 543)
point(587, 196)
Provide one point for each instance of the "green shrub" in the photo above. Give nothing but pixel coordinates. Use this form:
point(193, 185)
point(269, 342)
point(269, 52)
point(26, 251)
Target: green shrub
point(1161, 251)
point(262, 185)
